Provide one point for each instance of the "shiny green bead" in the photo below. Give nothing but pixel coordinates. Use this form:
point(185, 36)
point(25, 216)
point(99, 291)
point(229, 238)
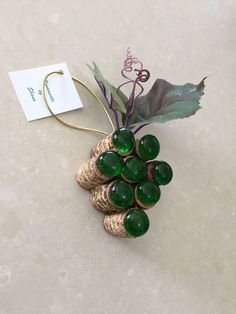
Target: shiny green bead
point(123, 141)
point(147, 193)
point(162, 172)
point(110, 164)
point(121, 194)
point(134, 169)
point(136, 222)
point(148, 147)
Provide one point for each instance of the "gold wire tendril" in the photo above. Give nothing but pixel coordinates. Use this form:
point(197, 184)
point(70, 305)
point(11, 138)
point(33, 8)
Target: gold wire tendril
point(64, 122)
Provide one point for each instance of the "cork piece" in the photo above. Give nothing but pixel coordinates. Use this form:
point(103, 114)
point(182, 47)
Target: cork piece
point(88, 175)
point(114, 224)
point(103, 146)
point(99, 198)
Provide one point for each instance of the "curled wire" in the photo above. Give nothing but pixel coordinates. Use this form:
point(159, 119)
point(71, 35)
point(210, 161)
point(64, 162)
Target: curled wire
point(135, 74)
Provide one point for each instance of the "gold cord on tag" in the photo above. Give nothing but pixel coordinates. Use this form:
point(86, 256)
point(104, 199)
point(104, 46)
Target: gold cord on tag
point(90, 91)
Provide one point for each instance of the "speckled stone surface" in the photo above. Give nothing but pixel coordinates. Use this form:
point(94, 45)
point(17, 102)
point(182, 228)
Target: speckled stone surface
point(55, 257)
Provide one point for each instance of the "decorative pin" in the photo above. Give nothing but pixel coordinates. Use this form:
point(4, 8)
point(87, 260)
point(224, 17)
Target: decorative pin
point(121, 140)
point(99, 169)
point(122, 174)
point(129, 224)
point(116, 195)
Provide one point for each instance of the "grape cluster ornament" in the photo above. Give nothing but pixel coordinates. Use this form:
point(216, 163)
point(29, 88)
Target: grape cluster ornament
point(123, 181)
point(123, 173)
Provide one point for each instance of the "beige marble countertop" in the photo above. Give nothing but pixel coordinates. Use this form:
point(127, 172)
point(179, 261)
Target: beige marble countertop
point(54, 254)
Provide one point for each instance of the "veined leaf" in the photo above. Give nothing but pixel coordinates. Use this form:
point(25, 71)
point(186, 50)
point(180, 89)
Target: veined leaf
point(117, 97)
point(166, 102)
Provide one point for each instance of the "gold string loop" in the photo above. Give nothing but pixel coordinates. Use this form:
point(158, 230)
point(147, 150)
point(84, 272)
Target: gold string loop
point(64, 122)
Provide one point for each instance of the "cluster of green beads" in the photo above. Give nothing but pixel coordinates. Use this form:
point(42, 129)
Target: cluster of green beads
point(137, 178)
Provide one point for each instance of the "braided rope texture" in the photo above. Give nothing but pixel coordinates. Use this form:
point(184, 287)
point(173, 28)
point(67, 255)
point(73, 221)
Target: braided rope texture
point(103, 146)
point(114, 224)
point(99, 198)
point(88, 175)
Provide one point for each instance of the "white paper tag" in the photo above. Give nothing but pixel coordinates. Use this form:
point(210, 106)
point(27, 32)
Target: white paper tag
point(61, 93)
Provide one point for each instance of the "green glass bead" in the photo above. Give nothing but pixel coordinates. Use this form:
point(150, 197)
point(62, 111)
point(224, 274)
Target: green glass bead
point(134, 169)
point(136, 222)
point(110, 164)
point(162, 172)
point(121, 194)
point(147, 193)
point(148, 147)
point(123, 141)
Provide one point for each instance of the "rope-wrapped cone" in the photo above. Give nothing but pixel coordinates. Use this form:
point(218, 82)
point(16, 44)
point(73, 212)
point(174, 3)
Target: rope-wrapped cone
point(114, 224)
point(99, 198)
point(88, 175)
point(103, 146)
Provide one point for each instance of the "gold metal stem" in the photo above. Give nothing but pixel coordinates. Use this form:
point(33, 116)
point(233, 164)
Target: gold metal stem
point(64, 122)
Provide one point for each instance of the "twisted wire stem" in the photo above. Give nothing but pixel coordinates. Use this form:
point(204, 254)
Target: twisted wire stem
point(135, 74)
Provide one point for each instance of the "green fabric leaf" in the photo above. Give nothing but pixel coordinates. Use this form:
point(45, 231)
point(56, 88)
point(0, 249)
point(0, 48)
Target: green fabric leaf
point(118, 98)
point(166, 102)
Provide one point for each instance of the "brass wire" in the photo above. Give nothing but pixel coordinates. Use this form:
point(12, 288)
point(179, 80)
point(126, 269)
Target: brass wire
point(66, 123)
